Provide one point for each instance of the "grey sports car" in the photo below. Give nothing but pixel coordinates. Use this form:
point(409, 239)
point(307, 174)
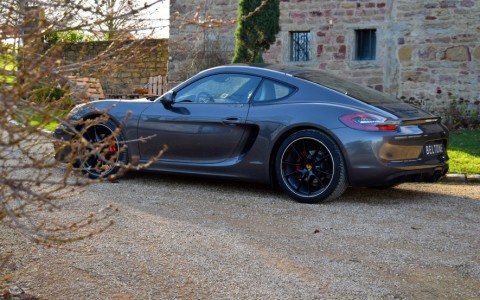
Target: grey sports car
point(304, 130)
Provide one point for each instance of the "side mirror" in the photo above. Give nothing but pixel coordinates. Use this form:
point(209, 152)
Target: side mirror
point(167, 100)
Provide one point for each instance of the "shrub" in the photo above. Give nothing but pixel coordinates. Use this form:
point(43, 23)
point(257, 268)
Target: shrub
point(51, 96)
point(46, 94)
point(462, 114)
point(457, 114)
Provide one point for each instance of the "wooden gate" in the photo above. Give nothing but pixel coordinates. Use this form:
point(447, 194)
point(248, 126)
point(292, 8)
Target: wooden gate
point(157, 85)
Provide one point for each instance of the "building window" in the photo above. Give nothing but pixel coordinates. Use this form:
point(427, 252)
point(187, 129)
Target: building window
point(300, 46)
point(366, 44)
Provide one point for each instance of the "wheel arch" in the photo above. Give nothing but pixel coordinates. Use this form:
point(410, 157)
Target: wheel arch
point(95, 115)
point(290, 131)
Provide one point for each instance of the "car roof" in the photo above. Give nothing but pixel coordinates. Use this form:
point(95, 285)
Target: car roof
point(320, 77)
point(276, 68)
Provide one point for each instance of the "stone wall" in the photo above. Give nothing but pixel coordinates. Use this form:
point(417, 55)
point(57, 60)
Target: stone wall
point(332, 25)
point(120, 67)
point(439, 52)
point(426, 50)
point(201, 36)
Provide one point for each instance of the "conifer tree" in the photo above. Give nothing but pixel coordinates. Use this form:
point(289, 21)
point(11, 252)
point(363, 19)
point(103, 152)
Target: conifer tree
point(258, 23)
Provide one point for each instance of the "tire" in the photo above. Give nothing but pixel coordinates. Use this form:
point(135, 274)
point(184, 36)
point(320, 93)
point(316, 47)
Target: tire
point(112, 155)
point(310, 167)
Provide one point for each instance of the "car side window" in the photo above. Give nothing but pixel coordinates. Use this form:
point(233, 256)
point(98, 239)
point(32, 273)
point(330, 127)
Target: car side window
point(270, 90)
point(219, 88)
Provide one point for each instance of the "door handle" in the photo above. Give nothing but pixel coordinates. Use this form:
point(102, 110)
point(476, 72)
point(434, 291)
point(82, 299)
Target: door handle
point(232, 121)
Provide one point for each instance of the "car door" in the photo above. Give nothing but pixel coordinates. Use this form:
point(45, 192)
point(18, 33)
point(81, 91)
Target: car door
point(205, 124)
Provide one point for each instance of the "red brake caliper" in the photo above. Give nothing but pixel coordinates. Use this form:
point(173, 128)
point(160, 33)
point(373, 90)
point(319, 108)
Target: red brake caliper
point(299, 160)
point(113, 148)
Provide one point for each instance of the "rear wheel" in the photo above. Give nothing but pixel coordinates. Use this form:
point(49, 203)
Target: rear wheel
point(310, 167)
point(104, 153)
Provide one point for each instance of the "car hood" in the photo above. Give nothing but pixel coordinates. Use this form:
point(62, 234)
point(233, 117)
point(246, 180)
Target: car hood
point(140, 100)
point(106, 105)
point(111, 103)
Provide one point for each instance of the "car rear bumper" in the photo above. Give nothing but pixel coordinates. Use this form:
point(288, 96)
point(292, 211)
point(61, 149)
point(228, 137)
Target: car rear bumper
point(414, 154)
point(370, 178)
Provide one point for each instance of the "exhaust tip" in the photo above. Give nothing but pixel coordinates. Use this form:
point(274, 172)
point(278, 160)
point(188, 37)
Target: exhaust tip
point(436, 176)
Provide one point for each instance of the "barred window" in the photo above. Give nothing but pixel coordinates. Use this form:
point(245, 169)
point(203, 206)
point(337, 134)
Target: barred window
point(300, 46)
point(366, 44)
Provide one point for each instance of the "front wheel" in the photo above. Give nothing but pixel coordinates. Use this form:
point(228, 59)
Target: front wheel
point(310, 167)
point(104, 154)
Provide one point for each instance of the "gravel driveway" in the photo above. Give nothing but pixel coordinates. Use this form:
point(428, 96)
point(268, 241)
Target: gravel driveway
point(186, 238)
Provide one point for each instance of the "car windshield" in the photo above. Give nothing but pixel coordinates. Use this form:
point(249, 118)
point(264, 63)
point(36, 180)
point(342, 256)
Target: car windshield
point(354, 90)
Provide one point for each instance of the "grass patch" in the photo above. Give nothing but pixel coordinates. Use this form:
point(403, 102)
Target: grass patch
point(7, 79)
point(50, 126)
point(8, 62)
point(40, 120)
point(464, 151)
point(48, 122)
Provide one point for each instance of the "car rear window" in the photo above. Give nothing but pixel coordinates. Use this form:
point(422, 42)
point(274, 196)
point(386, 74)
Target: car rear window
point(354, 90)
point(271, 90)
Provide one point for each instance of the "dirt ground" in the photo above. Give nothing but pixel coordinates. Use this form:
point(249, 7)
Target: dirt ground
point(185, 238)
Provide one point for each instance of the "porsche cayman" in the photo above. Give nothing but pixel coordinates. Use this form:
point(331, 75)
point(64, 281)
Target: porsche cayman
point(304, 130)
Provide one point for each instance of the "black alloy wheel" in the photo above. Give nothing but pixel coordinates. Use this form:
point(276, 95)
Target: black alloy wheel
point(104, 153)
point(310, 167)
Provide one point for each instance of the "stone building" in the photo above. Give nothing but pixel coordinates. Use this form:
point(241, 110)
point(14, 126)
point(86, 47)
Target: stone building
point(424, 50)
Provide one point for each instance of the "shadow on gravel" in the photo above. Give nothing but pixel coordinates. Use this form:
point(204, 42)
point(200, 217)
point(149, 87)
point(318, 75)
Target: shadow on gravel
point(405, 193)
point(192, 182)
point(391, 196)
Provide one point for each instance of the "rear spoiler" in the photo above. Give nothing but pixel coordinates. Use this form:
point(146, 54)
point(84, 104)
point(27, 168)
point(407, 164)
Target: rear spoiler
point(420, 121)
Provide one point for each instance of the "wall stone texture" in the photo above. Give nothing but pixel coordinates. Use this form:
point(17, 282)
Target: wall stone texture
point(201, 36)
point(426, 50)
point(120, 67)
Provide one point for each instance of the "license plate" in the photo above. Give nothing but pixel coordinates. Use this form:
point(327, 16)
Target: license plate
point(433, 149)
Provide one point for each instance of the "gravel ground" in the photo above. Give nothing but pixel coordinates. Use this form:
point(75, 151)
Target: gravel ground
point(186, 238)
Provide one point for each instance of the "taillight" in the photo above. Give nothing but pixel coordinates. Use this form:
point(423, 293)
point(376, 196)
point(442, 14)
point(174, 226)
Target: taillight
point(368, 122)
